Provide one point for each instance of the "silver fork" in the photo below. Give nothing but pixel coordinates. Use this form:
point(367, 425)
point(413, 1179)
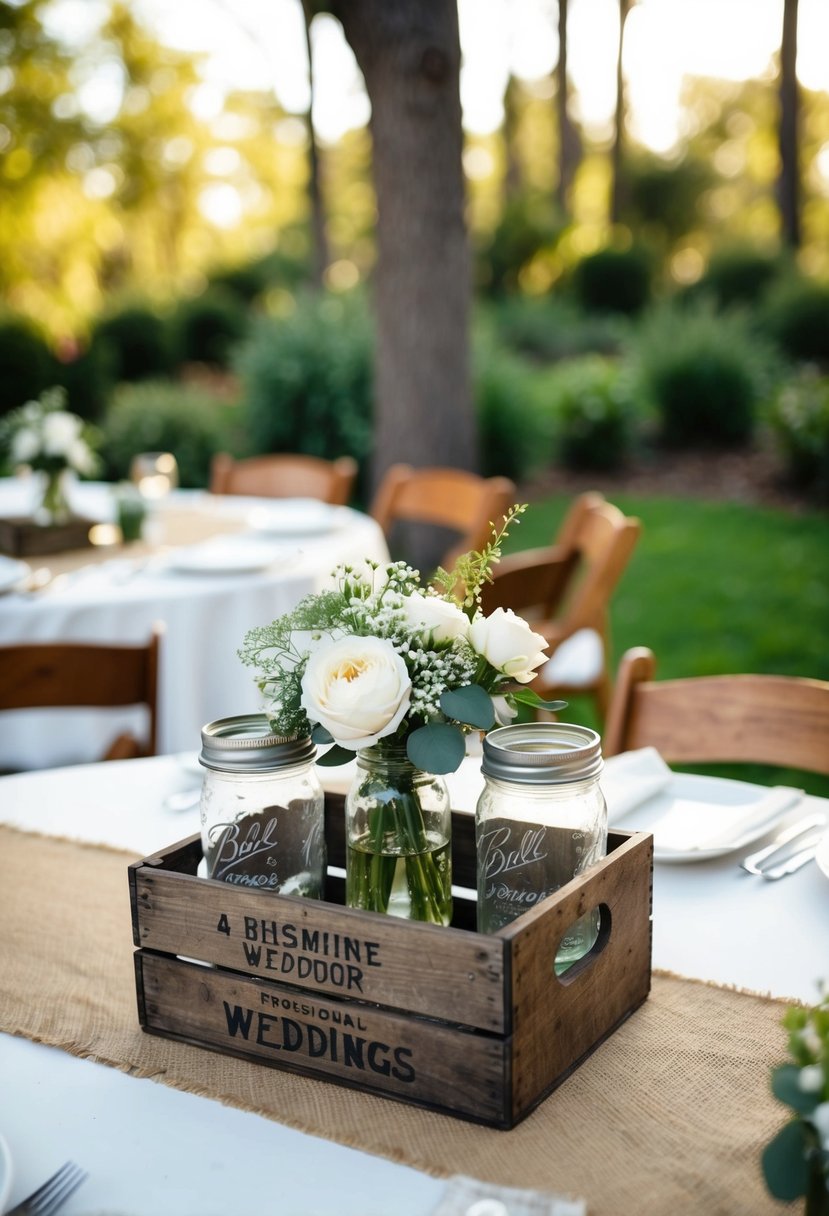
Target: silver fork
point(53, 1194)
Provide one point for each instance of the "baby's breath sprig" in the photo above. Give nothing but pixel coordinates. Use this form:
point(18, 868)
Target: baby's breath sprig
point(473, 570)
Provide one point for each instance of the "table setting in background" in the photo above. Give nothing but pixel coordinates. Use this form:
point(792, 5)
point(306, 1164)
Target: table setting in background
point(209, 567)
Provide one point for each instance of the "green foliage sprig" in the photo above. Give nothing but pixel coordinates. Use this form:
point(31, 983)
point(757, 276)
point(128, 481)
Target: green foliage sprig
point(796, 1161)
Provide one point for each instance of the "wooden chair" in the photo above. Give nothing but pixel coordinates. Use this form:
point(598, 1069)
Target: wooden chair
point(723, 719)
point(564, 590)
point(45, 675)
point(285, 476)
point(452, 499)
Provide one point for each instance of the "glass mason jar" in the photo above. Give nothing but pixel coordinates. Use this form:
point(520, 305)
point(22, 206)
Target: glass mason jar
point(262, 808)
point(541, 819)
point(398, 838)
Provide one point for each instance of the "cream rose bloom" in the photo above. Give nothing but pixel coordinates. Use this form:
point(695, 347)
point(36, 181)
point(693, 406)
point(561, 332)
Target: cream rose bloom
point(507, 642)
point(358, 689)
point(440, 619)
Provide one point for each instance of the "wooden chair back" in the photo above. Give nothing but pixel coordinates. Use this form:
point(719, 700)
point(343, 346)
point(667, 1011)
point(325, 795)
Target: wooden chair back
point(721, 719)
point(567, 587)
point(285, 476)
point(448, 498)
point(47, 675)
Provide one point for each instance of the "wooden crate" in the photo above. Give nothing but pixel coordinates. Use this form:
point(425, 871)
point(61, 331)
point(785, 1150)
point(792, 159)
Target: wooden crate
point(473, 1025)
point(24, 538)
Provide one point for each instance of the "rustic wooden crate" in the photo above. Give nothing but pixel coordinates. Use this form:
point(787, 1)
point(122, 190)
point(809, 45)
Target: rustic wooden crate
point(24, 538)
point(474, 1025)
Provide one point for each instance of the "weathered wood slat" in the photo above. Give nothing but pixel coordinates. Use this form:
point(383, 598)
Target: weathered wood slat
point(407, 1058)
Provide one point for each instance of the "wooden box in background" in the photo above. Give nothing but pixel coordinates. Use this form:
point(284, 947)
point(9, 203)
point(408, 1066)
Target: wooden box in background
point(22, 537)
point(473, 1025)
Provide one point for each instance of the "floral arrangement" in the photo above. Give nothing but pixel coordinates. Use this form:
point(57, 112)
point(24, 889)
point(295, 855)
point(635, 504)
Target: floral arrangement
point(45, 436)
point(796, 1162)
point(380, 657)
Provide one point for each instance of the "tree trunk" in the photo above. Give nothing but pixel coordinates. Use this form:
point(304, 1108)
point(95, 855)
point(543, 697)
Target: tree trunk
point(409, 53)
point(512, 165)
point(617, 189)
point(569, 144)
point(319, 240)
point(788, 183)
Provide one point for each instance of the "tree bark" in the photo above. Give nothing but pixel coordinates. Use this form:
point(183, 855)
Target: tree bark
point(409, 53)
point(569, 144)
point(617, 189)
point(319, 240)
point(788, 182)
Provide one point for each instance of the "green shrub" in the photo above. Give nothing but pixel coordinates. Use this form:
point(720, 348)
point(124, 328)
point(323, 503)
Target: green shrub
point(738, 275)
point(613, 280)
point(207, 327)
point(703, 373)
point(796, 316)
point(593, 403)
point(135, 343)
point(161, 416)
point(800, 418)
point(307, 379)
point(514, 432)
point(27, 365)
point(86, 376)
point(550, 328)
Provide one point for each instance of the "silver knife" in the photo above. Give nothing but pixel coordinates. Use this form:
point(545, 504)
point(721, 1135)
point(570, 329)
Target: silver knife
point(753, 863)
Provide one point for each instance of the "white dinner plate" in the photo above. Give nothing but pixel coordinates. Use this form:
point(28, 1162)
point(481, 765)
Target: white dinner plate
point(293, 517)
point(6, 1174)
point(12, 571)
point(822, 855)
point(213, 558)
point(697, 818)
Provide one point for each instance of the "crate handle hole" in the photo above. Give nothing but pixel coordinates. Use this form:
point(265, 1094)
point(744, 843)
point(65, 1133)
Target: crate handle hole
point(566, 970)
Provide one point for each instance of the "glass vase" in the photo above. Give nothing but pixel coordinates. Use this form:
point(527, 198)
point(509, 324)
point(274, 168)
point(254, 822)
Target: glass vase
point(54, 502)
point(398, 836)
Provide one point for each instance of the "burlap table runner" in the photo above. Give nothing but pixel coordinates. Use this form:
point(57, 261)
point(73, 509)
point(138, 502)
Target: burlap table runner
point(668, 1116)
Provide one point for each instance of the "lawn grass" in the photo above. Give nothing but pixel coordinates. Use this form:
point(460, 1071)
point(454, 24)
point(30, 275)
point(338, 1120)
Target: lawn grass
point(714, 587)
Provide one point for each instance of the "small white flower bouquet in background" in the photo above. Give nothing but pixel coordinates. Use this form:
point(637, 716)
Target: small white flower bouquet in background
point(400, 673)
point(49, 440)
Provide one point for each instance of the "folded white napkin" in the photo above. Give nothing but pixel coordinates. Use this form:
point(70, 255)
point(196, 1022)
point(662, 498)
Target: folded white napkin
point(689, 814)
point(632, 778)
point(469, 1197)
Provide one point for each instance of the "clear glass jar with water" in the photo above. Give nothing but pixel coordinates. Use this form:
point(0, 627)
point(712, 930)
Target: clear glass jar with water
point(541, 819)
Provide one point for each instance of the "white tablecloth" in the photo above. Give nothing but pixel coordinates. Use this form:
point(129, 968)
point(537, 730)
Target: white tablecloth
point(206, 616)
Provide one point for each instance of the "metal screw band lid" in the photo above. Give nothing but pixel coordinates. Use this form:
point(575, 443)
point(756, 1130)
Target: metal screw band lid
point(245, 744)
point(542, 753)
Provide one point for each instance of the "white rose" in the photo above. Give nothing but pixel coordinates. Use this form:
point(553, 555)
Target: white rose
point(358, 689)
point(439, 618)
point(60, 430)
point(820, 1120)
point(507, 642)
point(25, 445)
point(79, 456)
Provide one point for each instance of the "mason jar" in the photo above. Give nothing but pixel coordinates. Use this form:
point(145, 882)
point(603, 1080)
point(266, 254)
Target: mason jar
point(540, 820)
point(262, 808)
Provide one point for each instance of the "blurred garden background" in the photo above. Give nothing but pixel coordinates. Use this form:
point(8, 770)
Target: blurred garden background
point(189, 245)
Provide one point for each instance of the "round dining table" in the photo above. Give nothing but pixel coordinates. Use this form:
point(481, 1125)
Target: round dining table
point(209, 568)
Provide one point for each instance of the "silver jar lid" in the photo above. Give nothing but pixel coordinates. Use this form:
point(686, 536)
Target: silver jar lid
point(542, 753)
point(246, 744)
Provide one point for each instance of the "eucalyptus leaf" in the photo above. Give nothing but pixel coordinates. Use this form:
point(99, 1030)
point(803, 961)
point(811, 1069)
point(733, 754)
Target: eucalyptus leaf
point(437, 747)
point(785, 1087)
point(470, 704)
point(526, 696)
point(785, 1167)
point(334, 756)
point(320, 735)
